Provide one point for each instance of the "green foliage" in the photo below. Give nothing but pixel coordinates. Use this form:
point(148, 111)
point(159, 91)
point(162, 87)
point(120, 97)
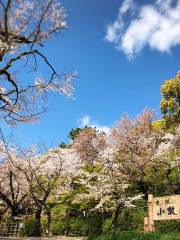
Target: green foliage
point(107, 225)
point(158, 124)
point(170, 103)
point(168, 226)
point(95, 221)
point(75, 219)
point(74, 132)
point(126, 220)
point(28, 228)
point(160, 179)
point(59, 227)
point(63, 145)
point(133, 220)
point(72, 226)
point(129, 219)
point(67, 218)
point(163, 179)
point(156, 179)
point(139, 236)
point(78, 226)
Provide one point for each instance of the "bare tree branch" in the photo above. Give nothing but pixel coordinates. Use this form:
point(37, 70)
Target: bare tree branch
point(24, 27)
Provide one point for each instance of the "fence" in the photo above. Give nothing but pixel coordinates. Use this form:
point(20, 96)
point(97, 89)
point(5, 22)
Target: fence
point(10, 229)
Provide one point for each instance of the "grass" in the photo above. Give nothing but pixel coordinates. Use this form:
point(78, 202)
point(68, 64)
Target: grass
point(139, 236)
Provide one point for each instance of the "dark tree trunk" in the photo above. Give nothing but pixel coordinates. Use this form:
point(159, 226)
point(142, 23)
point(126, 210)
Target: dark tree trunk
point(38, 222)
point(49, 221)
point(143, 189)
point(15, 211)
point(14, 207)
point(116, 215)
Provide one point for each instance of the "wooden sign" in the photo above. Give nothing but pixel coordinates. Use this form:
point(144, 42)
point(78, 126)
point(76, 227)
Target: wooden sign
point(166, 208)
point(161, 208)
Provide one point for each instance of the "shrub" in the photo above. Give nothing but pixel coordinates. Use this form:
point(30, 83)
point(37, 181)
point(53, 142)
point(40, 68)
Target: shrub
point(59, 227)
point(107, 225)
point(75, 225)
point(28, 228)
point(131, 219)
point(95, 222)
point(138, 236)
point(78, 226)
point(167, 226)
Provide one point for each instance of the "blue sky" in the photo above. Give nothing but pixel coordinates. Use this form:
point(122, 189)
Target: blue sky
point(115, 76)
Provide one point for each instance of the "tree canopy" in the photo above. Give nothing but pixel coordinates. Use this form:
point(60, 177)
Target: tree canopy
point(170, 103)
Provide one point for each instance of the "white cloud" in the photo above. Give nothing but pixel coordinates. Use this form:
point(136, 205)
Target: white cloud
point(126, 5)
point(114, 29)
point(155, 25)
point(86, 121)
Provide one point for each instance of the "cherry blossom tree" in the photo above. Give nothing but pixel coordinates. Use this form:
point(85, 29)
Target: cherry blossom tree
point(107, 187)
point(30, 178)
point(88, 144)
point(47, 177)
point(13, 187)
point(25, 26)
point(136, 143)
point(103, 180)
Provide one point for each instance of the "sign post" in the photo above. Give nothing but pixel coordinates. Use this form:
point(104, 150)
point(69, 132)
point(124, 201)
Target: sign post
point(161, 208)
point(151, 227)
point(146, 224)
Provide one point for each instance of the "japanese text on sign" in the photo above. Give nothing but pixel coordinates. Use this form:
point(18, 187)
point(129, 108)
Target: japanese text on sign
point(166, 208)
